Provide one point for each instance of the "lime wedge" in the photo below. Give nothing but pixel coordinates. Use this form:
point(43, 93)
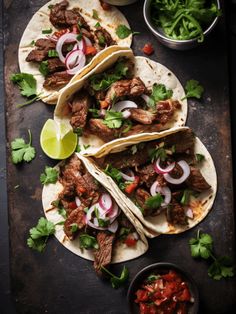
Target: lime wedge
point(57, 139)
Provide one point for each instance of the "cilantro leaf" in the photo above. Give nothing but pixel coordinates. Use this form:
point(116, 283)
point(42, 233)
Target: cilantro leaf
point(50, 175)
point(26, 82)
point(114, 173)
point(154, 201)
point(43, 68)
point(158, 152)
point(193, 89)
point(113, 119)
point(116, 282)
point(40, 233)
point(201, 246)
point(159, 92)
point(88, 242)
point(221, 268)
point(74, 227)
point(62, 212)
point(122, 31)
point(199, 157)
point(20, 151)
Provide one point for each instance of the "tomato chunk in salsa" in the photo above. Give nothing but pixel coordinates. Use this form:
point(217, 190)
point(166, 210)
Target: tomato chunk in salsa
point(164, 293)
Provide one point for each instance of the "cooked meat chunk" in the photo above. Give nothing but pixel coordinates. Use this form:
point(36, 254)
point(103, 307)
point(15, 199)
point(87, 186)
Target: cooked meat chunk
point(182, 141)
point(45, 44)
point(133, 87)
point(142, 128)
point(147, 175)
point(57, 14)
point(142, 116)
point(80, 21)
point(196, 181)
point(104, 38)
point(77, 216)
point(166, 110)
point(102, 256)
point(161, 180)
point(56, 80)
point(37, 56)
point(97, 127)
point(176, 214)
point(80, 106)
point(55, 65)
point(141, 197)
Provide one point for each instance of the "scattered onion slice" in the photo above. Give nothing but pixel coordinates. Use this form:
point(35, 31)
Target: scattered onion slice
point(189, 212)
point(127, 177)
point(165, 191)
point(186, 172)
point(89, 218)
point(124, 104)
point(126, 114)
point(80, 63)
point(113, 227)
point(66, 38)
point(146, 98)
point(77, 201)
point(114, 213)
point(105, 202)
point(161, 170)
point(72, 58)
point(87, 41)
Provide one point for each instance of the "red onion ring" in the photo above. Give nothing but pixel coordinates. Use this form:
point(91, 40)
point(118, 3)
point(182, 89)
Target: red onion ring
point(66, 38)
point(165, 191)
point(161, 170)
point(87, 41)
point(80, 64)
point(121, 105)
point(146, 98)
point(89, 218)
point(105, 202)
point(127, 177)
point(186, 172)
point(113, 227)
point(126, 114)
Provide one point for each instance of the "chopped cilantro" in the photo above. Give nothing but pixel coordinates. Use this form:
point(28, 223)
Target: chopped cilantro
point(113, 119)
point(78, 131)
point(43, 68)
point(199, 157)
point(74, 227)
point(62, 212)
point(158, 152)
point(88, 242)
point(86, 146)
point(79, 36)
point(193, 89)
point(186, 197)
point(32, 43)
point(154, 201)
point(122, 31)
point(117, 281)
point(159, 92)
point(52, 53)
point(47, 31)
point(97, 25)
point(101, 40)
point(78, 148)
point(50, 175)
point(152, 277)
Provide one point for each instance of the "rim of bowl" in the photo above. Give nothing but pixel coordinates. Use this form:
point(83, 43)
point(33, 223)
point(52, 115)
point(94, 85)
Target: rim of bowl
point(211, 26)
point(160, 265)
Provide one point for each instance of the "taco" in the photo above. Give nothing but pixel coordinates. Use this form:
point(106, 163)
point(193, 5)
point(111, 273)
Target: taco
point(94, 227)
point(62, 37)
point(121, 97)
point(168, 181)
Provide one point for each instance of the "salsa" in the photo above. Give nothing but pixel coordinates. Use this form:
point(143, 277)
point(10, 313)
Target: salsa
point(164, 293)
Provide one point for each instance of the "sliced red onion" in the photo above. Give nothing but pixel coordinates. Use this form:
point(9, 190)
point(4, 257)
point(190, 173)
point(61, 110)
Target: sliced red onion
point(131, 177)
point(186, 172)
point(92, 225)
point(161, 170)
point(72, 58)
point(146, 98)
point(105, 202)
point(80, 63)
point(115, 211)
point(66, 38)
point(77, 201)
point(87, 41)
point(82, 45)
point(113, 227)
point(165, 191)
point(155, 188)
point(121, 105)
point(126, 114)
point(189, 212)
point(89, 218)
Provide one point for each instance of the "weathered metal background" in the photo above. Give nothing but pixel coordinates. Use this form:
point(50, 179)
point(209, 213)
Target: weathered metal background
point(58, 281)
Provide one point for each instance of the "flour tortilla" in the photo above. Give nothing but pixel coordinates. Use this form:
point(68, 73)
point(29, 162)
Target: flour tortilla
point(120, 253)
point(40, 20)
point(201, 206)
point(149, 71)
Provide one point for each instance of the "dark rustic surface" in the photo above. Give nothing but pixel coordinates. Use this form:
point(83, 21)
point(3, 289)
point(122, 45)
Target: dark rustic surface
point(59, 282)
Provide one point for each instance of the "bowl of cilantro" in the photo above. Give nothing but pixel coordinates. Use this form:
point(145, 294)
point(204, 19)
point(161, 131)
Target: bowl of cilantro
point(181, 24)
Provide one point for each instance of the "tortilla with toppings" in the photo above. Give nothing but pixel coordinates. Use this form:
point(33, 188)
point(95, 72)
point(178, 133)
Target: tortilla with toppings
point(121, 97)
point(62, 37)
point(94, 228)
point(168, 180)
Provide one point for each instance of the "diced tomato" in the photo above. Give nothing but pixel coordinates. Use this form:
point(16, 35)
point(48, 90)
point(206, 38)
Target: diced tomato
point(142, 295)
point(129, 241)
point(184, 296)
point(132, 186)
point(72, 205)
point(105, 6)
point(182, 309)
point(81, 189)
point(148, 49)
point(170, 276)
point(61, 32)
point(103, 104)
point(147, 309)
point(90, 50)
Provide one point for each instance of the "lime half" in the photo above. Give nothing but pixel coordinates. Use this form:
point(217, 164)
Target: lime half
point(57, 139)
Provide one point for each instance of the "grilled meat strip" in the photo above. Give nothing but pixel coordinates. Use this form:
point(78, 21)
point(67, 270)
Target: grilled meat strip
point(176, 214)
point(102, 256)
point(147, 175)
point(104, 38)
point(77, 216)
point(133, 87)
point(80, 106)
point(43, 45)
point(196, 181)
point(141, 196)
point(166, 110)
point(142, 116)
point(182, 141)
point(55, 65)
point(97, 127)
point(56, 80)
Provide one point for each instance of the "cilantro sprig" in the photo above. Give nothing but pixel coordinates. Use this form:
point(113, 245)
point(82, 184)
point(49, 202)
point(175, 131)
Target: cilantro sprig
point(159, 92)
point(193, 89)
point(50, 175)
point(39, 234)
point(21, 151)
point(116, 281)
point(113, 119)
point(154, 202)
point(202, 247)
point(122, 31)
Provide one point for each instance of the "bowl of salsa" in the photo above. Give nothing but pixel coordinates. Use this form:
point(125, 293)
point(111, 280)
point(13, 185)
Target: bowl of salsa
point(163, 288)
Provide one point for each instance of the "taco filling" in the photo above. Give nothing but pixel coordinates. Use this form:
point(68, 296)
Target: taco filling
point(115, 103)
point(91, 214)
point(63, 53)
point(160, 176)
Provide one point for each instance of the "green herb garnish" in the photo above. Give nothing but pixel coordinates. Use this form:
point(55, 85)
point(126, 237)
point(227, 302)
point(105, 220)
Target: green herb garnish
point(117, 281)
point(95, 15)
point(50, 175)
point(62, 212)
point(79, 36)
point(193, 89)
point(52, 53)
point(159, 92)
point(122, 31)
point(74, 227)
point(43, 68)
point(199, 157)
point(20, 151)
point(154, 201)
point(47, 31)
point(88, 242)
point(97, 25)
point(158, 152)
point(186, 197)
point(78, 131)
point(113, 119)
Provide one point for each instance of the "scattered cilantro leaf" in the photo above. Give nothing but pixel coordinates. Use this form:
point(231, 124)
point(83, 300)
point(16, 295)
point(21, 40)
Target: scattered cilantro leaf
point(152, 277)
point(20, 151)
point(74, 227)
point(78, 131)
point(159, 92)
point(79, 36)
point(113, 119)
point(52, 53)
point(114, 173)
point(78, 148)
point(221, 268)
point(26, 82)
point(88, 242)
point(199, 157)
point(117, 281)
point(186, 197)
point(154, 201)
point(47, 31)
point(50, 175)
point(40, 233)
point(97, 25)
point(122, 31)
point(62, 212)
point(32, 43)
point(201, 246)
point(193, 89)
point(86, 146)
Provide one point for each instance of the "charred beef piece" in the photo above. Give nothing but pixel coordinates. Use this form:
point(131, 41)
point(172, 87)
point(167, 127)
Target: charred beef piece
point(147, 175)
point(142, 128)
point(77, 216)
point(57, 14)
point(183, 141)
point(41, 52)
point(133, 87)
point(141, 197)
point(102, 256)
point(55, 65)
point(56, 80)
point(176, 214)
point(80, 106)
point(81, 21)
point(166, 110)
point(142, 116)
point(97, 127)
point(104, 38)
point(196, 181)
